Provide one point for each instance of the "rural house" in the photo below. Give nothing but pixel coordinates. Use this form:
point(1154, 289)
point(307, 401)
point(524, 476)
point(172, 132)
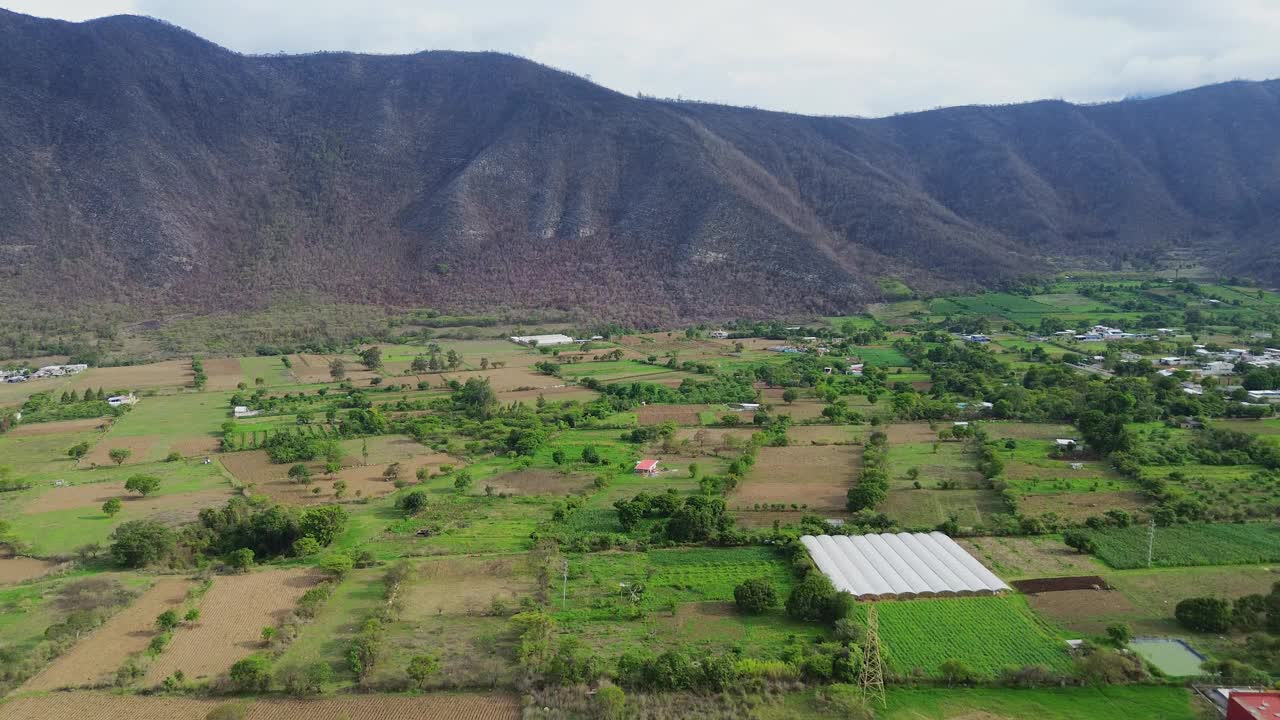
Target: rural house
point(647, 467)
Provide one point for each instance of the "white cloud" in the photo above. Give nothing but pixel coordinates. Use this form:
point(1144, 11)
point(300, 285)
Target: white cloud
point(864, 57)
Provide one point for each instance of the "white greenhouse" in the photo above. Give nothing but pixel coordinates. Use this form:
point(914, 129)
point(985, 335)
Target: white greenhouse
point(905, 565)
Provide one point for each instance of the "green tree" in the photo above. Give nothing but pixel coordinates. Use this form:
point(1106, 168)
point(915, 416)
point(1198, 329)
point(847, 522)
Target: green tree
point(421, 668)
point(305, 547)
point(324, 523)
point(268, 634)
point(611, 703)
point(192, 615)
point(78, 450)
point(252, 674)
point(142, 484)
point(111, 507)
point(338, 564)
point(462, 482)
point(371, 357)
point(1119, 634)
point(339, 488)
point(119, 455)
point(167, 620)
point(414, 502)
point(337, 369)
point(476, 399)
point(419, 364)
point(137, 543)
point(1204, 614)
point(755, 596)
point(590, 455)
point(241, 559)
point(300, 474)
point(790, 395)
point(810, 598)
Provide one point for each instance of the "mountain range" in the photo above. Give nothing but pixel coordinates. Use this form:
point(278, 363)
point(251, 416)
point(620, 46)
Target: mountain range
point(142, 164)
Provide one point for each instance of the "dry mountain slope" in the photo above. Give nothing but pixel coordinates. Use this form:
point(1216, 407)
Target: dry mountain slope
point(153, 166)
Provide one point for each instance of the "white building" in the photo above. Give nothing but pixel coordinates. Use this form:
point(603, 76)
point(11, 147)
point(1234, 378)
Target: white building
point(1265, 396)
point(904, 565)
point(542, 340)
point(719, 335)
point(242, 411)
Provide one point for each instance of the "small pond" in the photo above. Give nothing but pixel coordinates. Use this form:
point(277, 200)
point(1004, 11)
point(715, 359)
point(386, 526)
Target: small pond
point(1173, 657)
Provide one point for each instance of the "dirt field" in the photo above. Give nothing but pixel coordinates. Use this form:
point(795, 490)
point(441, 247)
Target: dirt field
point(59, 427)
point(537, 482)
point(1060, 584)
point(196, 447)
point(315, 369)
point(224, 373)
point(16, 569)
point(815, 476)
point(714, 439)
point(764, 519)
point(102, 706)
point(551, 395)
point(679, 414)
point(466, 586)
point(167, 374)
point(1012, 557)
point(232, 615)
point(139, 445)
point(925, 508)
point(503, 379)
point(92, 495)
point(1028, 431)
point(1079, 505)
point(1084, 611)
point(95, 659)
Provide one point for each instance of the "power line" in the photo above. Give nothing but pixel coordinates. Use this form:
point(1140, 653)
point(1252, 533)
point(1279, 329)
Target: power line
point(872, 676)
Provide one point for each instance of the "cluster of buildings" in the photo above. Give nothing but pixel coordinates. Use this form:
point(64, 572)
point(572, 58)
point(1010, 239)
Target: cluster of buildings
point(1207, 363)
point(18, 376)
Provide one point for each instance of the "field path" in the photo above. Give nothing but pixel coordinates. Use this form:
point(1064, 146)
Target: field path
point(96, 658)
point(232, 615)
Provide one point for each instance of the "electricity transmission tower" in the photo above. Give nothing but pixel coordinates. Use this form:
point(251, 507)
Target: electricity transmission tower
point(872, 679)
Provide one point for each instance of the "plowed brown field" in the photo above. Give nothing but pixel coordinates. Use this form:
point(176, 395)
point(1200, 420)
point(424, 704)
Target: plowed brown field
point(59, 427)
point(232, 615)
point(101, 706)
point(95, 659)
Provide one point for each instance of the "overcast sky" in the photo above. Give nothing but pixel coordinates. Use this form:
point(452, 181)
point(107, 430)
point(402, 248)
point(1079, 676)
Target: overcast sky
point(845, 57)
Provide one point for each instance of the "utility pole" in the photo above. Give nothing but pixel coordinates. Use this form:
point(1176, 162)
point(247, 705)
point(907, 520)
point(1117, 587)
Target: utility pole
point(1151, 540)
point(872, 679)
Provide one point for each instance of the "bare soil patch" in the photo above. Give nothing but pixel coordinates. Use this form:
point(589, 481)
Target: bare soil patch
point(679, 414)
point(756, 520)
point(253, 467)
point(60, 427)
point(1080, 505)
point(224, 373)
point(170, 374)
point(817, 476)
point(538, 482)
point(232, 615)
point(104, 706)
point(714, 439)
point(1083, 610)
point(16, 569)
point(1061, 584)
point(94, 660)
point(466, 586)
point(552, 394)
point(309, 368)
point(196, 447)
point(138, 446)
point(1029, 431)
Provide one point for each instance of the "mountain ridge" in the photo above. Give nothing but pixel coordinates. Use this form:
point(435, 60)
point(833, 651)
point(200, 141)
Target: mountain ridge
point(158, 167)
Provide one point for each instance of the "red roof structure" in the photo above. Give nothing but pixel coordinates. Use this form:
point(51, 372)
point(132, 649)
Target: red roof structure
point(647, 466)
point(1242, 705)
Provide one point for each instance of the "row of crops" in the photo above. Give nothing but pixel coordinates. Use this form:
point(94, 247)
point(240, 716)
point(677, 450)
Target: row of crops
point(989, 634)
point(254, 439)
point(1196, 544)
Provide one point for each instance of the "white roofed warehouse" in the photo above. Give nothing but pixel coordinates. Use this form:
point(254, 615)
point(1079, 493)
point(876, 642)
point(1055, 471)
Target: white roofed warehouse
point(890, 566)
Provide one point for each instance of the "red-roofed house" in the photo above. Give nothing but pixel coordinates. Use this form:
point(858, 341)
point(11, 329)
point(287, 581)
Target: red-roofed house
point(647, 467)
point(1242, 705)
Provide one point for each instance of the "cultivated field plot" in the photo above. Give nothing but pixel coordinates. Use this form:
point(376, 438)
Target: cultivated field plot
point(60, 427)
point(1198, 544)
point(232, 615)
point(714, 439)
point(1079, 506)
point(1155, 592)
point(466, 585)
point(139, 448)
point(253, 467)
point(167, 374)
point(679, 414)
point(1024, 557)
point(817, 476)
point(988, 633)
point(1115, 702)
point(902, 433)
point(926, 507)
point(94, 660)
point(802, 409)
point(103, 706)
point(224, 373)
point(561, 394)
point(951, 463)
point(91, 496)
